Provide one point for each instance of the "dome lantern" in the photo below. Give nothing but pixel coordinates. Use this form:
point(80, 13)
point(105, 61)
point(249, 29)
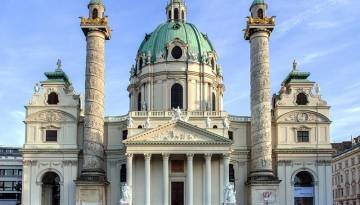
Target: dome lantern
point(176, 11)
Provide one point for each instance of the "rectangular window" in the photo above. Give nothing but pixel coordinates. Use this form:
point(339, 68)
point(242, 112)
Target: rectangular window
point(231, 173)
point(1, 186)
point(303, 136)
point(51, 135)
point(9, 172)
point(231, 135)
point(8, 186)
point(125, 134)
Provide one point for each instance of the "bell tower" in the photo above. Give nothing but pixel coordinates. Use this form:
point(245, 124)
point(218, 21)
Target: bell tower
point(91, 185)
point(263, 184)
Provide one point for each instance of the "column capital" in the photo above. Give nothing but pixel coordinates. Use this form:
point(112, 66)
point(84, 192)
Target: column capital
point(147, 156)
point(165, 155)
point(208, 155)
point(190, 155)
point(226, 155)
point(129, 155)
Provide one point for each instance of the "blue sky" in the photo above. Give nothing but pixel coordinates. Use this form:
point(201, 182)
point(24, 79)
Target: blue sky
point(323, 35)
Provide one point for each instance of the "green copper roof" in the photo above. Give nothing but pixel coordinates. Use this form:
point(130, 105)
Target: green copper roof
point(99, 2)
point(155, 43)
point(58, 75)
point(257, 2)
point(296, 76)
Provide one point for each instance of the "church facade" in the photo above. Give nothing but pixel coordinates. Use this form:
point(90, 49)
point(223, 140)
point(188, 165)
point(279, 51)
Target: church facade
point(177, 145)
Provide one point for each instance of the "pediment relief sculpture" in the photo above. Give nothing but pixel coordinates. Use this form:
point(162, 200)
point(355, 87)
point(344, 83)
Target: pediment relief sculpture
point(303, 117)
point(175, 135)
point(51, 116)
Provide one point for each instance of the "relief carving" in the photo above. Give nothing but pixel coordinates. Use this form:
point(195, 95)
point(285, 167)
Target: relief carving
point(51, 116)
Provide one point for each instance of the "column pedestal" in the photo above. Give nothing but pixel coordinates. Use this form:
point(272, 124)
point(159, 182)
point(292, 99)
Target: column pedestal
point(90, 193)
point(263, 192)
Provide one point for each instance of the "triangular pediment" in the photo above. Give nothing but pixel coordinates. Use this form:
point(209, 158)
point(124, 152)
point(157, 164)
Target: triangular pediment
point(178, 133)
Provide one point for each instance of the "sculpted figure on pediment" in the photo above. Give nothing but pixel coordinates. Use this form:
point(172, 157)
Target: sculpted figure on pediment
point(175, 136)
point(303, 117)
point(51, 116)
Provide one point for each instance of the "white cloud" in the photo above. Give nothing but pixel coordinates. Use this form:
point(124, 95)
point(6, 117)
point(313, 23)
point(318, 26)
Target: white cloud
point(309, 58)
point(322, 24)
point(18, 115)
point(307, 14)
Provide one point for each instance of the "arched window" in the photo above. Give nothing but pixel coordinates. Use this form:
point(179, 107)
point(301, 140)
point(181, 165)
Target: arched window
point(301, 99)
point(215, 126)
point(95, 14)
point(140, 63)
point(177, 96)
point(170, 15)
point(213, 63)
point(176, 14)
point(260, 13)
point(304, 188)
point(53, 98)
point(50, 189)
point(213, 102)
point(139, 102)
point(183, 15)
point(231, 173)
point(123, 173)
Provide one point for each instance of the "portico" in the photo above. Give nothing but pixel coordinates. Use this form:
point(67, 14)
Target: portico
point(186, 165)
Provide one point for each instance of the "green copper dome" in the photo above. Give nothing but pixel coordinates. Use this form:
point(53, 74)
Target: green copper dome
point(99, 2)
point(155, 43)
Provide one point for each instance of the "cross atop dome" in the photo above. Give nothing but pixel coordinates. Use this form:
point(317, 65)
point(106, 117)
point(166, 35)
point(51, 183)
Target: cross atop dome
point(176, 11)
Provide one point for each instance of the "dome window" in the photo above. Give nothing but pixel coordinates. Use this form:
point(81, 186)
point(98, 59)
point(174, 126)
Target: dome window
point(301, 99)
point(176, 52)
point(183, 15)
point(260, 13)
point(95, 14)
point(213, 102)
point(176, 14)
point(53, 99)
point(139, 102)
point(140, 63)
point(170, 15)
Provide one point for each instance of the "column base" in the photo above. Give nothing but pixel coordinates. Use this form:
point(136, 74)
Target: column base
point(90, 192)
point(263, 192)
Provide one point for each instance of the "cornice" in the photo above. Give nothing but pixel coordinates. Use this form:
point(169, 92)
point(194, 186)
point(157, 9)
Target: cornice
point(303, 151)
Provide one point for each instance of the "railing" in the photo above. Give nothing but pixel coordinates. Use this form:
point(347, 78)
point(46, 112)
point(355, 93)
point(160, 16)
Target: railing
point(170, 114)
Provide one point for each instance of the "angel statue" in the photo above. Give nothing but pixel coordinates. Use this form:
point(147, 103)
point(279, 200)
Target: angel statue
point(229, 194)
point(130, 121)
point(226, 123)
point(126, 195)
point(177, 114)
point(36, 88)
point(208, 122)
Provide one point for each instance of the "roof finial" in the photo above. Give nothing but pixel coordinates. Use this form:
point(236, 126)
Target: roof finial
point(59, 64)
point(295, 65)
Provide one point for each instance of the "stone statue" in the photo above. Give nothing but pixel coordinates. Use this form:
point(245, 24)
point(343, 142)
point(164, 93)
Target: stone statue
point(226, 123)
point(130, 122)
point(229, 194)
point(36, 88)
point(144, 106)
point(126, 194)
point(177, 115)
point(295, 65)
point(59, 64)
point(317, 89)
point(208, 122)
point(147, 123)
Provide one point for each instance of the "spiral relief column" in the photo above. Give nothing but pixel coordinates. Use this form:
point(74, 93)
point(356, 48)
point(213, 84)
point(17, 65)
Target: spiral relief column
point(96, 30)
point(262, 182)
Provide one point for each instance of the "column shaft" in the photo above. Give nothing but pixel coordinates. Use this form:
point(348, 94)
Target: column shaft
point(190, 179)
point(129, 178)
point(260, 105)
point(207, 179)
point(226, 162)
point(94, 105)
point(147, 178)
point(166, 179)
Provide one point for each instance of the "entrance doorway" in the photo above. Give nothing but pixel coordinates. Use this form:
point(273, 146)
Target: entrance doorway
point(304, 189)
point(50, 189)
point(177, 193)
